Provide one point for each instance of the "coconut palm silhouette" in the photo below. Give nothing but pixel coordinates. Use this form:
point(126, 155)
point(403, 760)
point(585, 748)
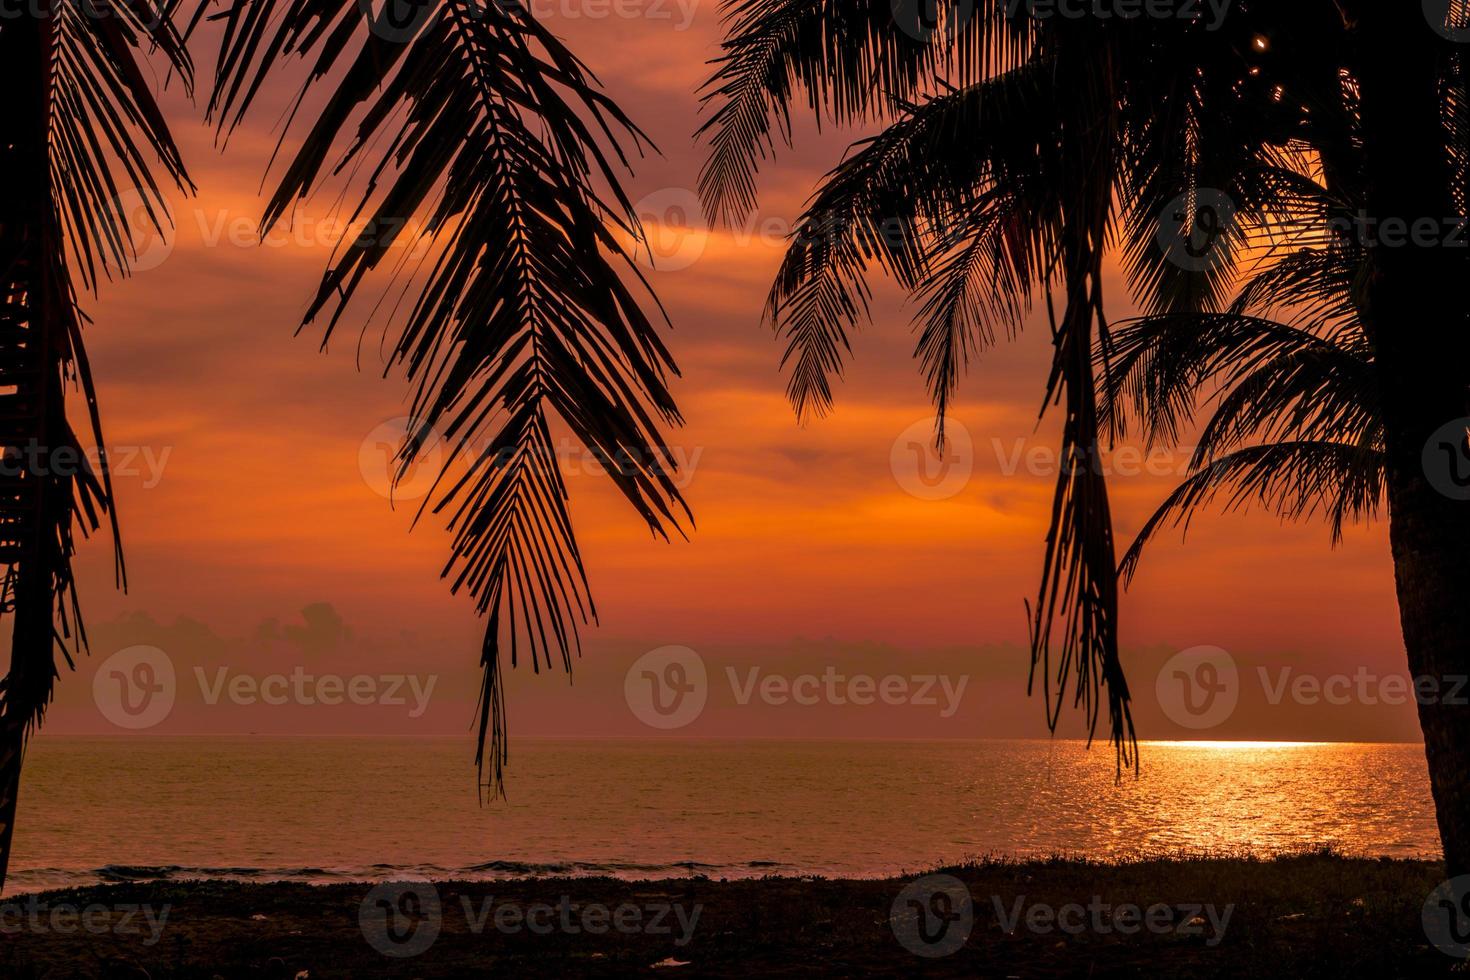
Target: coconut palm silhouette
point(1020, 148)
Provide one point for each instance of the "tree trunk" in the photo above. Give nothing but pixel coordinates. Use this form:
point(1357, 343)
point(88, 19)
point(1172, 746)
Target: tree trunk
point(1416, 318)
point(35, 318)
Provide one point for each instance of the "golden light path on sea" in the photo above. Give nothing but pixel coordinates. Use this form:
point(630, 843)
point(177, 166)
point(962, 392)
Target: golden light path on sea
point(1244, 744)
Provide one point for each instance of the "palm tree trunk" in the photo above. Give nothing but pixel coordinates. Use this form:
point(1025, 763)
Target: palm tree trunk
point(1417, 320)
point(36, 308)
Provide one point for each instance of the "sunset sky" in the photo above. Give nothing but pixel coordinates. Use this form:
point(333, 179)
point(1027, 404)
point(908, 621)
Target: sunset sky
point(807, 550)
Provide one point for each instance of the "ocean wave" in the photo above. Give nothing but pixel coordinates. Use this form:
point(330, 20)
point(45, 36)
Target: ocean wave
point(50, 878)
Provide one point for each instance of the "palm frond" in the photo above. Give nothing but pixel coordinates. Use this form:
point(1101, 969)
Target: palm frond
point(1074, 622)
point(1342, 482)
point(960, 180)
point(1216, 134)
point(852, 59)
point(1160, 364)
point(1295, 424)
point(495, 139)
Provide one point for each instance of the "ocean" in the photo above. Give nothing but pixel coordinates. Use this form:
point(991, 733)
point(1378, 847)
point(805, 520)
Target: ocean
point(338, 808)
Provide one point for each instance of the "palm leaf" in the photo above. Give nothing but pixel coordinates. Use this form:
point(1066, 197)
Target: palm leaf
point(1342, 482)
point(477, 124)
point(853, 60)
point(951, 200)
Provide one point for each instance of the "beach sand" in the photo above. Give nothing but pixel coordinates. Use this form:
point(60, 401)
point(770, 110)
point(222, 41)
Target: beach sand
point(1307, 916)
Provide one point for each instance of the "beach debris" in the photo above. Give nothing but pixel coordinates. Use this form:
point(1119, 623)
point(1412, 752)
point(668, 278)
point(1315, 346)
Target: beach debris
point(669, 961)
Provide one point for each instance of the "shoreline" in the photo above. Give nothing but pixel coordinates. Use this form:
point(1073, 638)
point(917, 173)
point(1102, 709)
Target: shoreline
point(511, 870)
point(1299, 916)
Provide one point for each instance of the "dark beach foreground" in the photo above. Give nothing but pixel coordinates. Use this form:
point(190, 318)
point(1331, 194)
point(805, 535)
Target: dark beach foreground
point(1315, 915)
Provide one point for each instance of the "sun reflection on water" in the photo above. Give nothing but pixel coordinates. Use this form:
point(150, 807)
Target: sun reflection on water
point(1236, 744)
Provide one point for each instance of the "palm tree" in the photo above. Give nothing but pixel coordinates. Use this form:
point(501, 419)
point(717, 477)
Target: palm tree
point(1376, 94)
point(1416, 144)
point(473, 122)
point(78, 116)
point(1393, 397)
point(1018, 151)
point(969, 200)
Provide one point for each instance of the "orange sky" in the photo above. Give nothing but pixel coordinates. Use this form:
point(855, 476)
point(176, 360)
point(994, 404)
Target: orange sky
point(807, 548)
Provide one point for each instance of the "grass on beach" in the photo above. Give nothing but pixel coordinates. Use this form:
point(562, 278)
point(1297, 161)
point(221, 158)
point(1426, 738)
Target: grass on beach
point(1312, 915)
